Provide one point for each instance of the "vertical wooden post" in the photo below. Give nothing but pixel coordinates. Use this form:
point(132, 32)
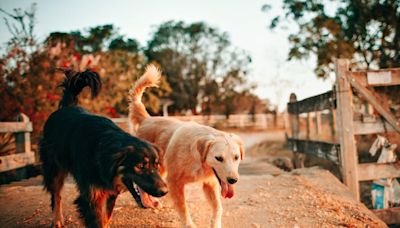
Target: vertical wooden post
point(308, 126)
point(23, 139)
point(332, 124)
point(348, 151)
point(298, 158)
point(318, 124)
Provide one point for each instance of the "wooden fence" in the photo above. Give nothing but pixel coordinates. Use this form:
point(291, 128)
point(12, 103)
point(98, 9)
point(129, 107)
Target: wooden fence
point(23, 155)
point(258, 121)
point(342, 148)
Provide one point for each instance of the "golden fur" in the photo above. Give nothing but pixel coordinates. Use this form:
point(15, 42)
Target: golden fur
point(191, 152)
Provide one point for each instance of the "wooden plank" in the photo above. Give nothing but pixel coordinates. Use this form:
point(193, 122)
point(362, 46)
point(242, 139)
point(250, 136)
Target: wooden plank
point(348, 151)
point(324, 150)
point(374, 171)
point(369, 96)
point(318, 124)
point(308, 125)
point(312, 104)
point(332, 124)
point(298, 159)
point(362, 128)
point(384, 77)
point(13, 127)
point(22, 139)
point(389, 215)
point(14, 161)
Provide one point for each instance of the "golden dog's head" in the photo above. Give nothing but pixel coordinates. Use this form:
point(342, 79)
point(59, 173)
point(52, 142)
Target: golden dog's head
point(223, 154)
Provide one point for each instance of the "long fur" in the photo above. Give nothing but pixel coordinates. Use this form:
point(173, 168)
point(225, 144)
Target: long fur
point(100, 156)
point(151, 78)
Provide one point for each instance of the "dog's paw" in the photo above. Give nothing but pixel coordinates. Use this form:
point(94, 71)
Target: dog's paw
point(190, 225)
point(58, 224)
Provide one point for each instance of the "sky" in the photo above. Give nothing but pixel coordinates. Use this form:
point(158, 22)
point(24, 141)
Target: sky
point(243, 20)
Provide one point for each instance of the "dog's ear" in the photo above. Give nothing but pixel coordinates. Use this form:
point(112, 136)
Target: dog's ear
point(110, 162)
point(240, 143)
point(160, 153)
point(120, 156)
point(203, 145)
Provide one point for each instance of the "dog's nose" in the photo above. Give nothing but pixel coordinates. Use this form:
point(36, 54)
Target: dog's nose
point(232, 180)
point(163, 190)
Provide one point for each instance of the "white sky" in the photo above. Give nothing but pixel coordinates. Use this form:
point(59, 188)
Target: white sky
point(246, 24)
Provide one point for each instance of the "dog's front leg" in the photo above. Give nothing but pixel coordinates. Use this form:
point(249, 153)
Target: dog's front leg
point(177, 193)
point(91, 210)
point(211, 192)
point(110, 203)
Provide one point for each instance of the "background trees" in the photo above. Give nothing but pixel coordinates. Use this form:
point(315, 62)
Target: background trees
point(204, 72)
point(367, 31)
point(200, 64)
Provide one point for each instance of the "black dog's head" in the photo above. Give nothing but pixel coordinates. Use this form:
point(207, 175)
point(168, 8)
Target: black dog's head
point(141, 166)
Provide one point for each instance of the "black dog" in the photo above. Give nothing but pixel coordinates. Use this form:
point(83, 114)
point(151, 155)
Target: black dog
point(100, 156)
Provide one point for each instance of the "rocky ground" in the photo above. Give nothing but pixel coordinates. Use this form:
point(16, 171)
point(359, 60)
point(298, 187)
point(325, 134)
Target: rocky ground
point(266, 196)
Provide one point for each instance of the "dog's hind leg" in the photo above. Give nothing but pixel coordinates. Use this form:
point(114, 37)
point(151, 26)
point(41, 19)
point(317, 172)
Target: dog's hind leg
point(213, 197)
point(54, 181)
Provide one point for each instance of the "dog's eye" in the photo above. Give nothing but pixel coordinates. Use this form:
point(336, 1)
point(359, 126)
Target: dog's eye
point(219, 158)
point(138, 168)
point(236, 157)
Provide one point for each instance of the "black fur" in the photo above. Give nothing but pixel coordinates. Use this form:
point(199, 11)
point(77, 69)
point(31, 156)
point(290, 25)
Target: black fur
point(96, 152)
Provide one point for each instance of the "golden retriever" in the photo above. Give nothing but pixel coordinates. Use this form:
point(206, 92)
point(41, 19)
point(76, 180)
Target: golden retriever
point(193, 153)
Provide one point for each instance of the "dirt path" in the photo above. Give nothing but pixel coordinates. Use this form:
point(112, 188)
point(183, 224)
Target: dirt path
point(265, 197)
point(305, 198)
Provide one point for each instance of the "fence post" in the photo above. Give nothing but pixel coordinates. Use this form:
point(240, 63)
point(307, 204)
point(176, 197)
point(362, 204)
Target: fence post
point(23, 139)
point(318, 124)
point(348, 151)
point(308, 126)
point(298, 158)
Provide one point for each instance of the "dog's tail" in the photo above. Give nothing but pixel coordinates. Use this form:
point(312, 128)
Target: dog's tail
point(73, 84)
point(137, 110)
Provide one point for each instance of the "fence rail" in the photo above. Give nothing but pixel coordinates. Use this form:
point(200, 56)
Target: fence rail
point(23, 154)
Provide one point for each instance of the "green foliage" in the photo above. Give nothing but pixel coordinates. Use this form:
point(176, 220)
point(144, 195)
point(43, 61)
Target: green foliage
point(367, 31)
point(196, 58)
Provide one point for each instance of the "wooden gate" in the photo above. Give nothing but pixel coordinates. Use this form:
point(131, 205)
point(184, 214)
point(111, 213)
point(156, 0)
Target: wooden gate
point(343, 151)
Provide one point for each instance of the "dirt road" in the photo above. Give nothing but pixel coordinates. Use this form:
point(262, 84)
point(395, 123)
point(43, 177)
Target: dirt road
point(265, 197)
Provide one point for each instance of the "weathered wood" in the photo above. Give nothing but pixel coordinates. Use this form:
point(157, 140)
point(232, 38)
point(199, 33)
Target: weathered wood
point(311, 104)
point(348, 151)
point(385, 77)
point(318, 124)
point(369, 96)
point(14, 161)
point(389, 215)
point(374, 171)
point(319, 149)
point(298, 159)
point(332, 124)
point(362, 128)
point(308, 126)
point(13, 127)
point(22, 139)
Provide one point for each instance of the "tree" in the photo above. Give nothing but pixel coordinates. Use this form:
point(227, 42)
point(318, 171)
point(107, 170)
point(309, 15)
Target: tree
point(367, 31)
point(193, 56)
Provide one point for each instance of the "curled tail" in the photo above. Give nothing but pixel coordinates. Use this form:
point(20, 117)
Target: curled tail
point(75, 82)
point(137, 110)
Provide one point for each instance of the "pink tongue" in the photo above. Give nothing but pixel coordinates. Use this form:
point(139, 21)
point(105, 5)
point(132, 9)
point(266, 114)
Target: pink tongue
point(227, 190)
point(147, 200)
